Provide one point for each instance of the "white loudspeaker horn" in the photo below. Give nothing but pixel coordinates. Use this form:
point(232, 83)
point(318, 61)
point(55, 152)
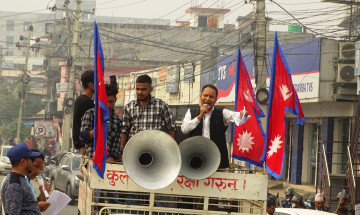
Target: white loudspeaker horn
point(200, 157)
point(152, 159)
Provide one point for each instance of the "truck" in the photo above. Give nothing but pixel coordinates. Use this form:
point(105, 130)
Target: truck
point(229, 192)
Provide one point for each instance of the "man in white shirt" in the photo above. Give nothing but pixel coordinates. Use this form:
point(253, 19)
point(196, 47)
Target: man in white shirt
point(211, 122)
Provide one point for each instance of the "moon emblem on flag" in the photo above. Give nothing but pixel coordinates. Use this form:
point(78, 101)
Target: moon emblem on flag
point(284, 92)
point(245, 141)
point(275, 145)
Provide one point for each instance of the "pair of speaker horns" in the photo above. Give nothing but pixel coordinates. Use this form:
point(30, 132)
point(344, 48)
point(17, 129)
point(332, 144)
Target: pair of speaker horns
point(153, 159)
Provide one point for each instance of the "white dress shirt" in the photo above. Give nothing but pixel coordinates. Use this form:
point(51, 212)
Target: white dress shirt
point(229, 116)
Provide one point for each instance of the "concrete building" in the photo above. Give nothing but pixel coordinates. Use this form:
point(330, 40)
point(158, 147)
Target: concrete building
point(315, 78)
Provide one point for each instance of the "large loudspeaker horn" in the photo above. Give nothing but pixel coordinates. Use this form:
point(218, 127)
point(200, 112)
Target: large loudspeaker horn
point(152, 159)
point(200, 157)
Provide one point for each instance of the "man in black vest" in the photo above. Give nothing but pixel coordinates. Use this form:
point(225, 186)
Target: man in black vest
point(211, 122)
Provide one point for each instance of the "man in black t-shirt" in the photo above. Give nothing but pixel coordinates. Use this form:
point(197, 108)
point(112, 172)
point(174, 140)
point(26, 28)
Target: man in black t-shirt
point(82, 104)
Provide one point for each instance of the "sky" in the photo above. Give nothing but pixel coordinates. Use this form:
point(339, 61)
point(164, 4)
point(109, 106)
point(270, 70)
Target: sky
point(313, 13)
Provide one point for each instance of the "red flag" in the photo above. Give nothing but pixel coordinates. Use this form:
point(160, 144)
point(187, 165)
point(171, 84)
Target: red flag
point(249, 138)
point(282, 98)
point(101, 107)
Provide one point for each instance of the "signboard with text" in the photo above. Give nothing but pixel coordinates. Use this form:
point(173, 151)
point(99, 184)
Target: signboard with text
point(305, 70)
point(220, 184)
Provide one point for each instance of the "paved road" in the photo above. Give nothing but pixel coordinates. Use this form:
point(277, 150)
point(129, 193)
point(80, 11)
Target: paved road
point(68, 210)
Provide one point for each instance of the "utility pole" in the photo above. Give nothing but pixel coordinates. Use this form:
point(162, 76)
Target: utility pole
point(260, 45)
point(23, 85)
point(69, 99)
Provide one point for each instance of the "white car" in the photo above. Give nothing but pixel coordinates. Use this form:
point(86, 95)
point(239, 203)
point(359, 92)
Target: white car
point(299, 211)
point(5, 165)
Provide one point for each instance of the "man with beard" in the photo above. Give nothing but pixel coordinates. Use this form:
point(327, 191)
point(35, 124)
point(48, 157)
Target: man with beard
point(211, 122)
point(38, 163)
point(16, 194)
point(145, 113)
point(82, 104)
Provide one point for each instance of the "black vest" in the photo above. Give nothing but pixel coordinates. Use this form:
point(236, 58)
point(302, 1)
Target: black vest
point(217, 132)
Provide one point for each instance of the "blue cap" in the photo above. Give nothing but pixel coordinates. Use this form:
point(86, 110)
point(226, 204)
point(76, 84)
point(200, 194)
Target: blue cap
point(21, 151)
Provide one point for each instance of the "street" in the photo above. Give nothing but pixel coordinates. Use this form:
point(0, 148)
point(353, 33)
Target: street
point(68, 210)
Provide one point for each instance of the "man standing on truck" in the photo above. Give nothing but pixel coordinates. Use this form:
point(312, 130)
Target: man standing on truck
point(145, 113)
point(82, 104)
point(113, 138)
point(211, 122)
point(114, 128)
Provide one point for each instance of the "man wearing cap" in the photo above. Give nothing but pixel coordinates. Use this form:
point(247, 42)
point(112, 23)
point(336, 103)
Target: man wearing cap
point(289, 193)
point(16, 194)
point(343, 201)
point(319, 203)
point(297, 201)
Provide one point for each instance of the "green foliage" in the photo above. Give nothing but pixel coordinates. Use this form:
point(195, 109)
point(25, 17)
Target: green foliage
point(10, 104)
point(10, 131)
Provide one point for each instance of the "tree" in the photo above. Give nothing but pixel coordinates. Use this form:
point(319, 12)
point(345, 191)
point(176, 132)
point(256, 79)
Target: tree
point(10, 131)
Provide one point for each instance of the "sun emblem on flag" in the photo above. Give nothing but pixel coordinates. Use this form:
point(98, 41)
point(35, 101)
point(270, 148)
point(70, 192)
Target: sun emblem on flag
point(247, 96)
point(275, 145)
point(245, 141)
point(285, 92)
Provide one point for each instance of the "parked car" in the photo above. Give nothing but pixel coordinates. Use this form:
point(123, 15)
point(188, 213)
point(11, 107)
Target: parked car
point(299, 211)
point(5, 165)
point(51, 165)
point(64, 177)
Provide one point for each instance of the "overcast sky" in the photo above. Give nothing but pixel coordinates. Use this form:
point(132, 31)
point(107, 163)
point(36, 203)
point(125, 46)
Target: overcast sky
point(310, 12)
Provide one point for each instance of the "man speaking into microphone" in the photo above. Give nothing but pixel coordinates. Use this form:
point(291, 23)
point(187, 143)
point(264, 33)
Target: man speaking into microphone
point(211, 122)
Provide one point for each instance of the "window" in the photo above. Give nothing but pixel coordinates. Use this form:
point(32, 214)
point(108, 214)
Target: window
point(76, 164)
point(202, 21)
point(19, 66)
point(27, 25)
point(64, 160)
point(9, 40)
point(37, 67)
point(212, 22)
point(10, 25)
point(48, 28)
point(188, 74)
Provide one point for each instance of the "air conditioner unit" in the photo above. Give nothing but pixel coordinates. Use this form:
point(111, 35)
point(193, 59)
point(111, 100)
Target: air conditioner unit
point(347, 50)
point(345, 73)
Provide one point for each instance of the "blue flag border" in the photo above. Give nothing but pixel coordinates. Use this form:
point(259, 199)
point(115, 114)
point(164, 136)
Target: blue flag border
point(287, 109)
point(98, 47)
point(257, 116)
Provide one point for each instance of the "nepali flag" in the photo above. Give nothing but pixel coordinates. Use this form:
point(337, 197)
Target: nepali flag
point(101, 108)
point(282, 98)
point(249, 138)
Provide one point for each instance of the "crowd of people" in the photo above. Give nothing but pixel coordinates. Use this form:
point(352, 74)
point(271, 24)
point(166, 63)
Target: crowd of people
point(148, 113)
point(308, 201)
